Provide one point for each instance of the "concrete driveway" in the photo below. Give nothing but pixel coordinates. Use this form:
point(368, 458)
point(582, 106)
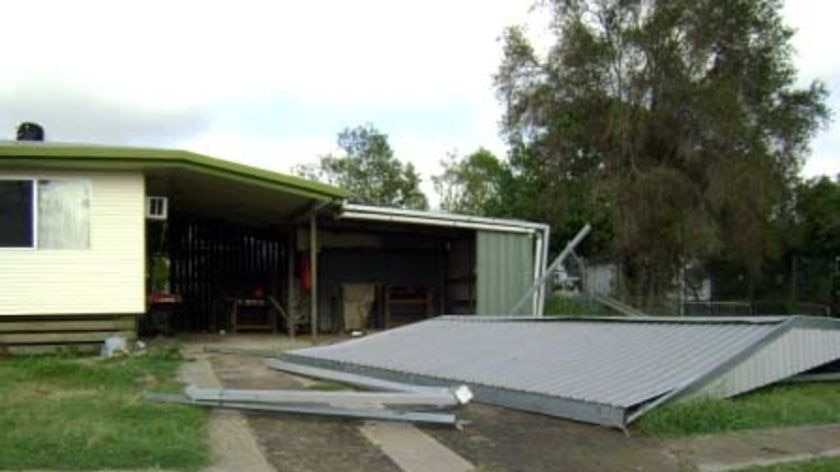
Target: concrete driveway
point(497, 439)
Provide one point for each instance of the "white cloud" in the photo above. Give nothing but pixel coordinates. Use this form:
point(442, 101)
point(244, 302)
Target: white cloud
point(188, 52)
point(79, 115)
point(276, 154)
point(817, 57)
point(170, 72)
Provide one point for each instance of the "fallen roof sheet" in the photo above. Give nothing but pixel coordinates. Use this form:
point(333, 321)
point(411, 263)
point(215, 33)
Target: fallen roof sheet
point(604, 370)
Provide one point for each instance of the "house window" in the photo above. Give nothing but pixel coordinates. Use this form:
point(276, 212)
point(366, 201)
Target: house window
point(47, 214)
point(16, 229)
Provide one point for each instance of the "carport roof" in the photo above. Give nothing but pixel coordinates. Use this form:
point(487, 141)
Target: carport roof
point(43, 155)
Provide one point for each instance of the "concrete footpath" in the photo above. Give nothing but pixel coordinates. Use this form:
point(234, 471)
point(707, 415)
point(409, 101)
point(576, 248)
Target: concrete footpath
point(413, 450)
point(735, 451)
point(232, 442)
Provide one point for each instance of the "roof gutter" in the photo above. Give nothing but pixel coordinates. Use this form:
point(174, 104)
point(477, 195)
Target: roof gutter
point(451, 220)
point(432, 222)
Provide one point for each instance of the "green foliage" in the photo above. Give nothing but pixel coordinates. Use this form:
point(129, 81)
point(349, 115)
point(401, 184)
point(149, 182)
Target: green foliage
point(812, 237)
point(784, 405)
point(806, 270)
point(675, 126)
point(369, 171)
point(86, 414)
point(559, 305)
point(477, 184)
point(817, 218)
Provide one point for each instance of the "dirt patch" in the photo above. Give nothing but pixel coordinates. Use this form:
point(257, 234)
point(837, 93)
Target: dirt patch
point(499, 439)
point(299, 443)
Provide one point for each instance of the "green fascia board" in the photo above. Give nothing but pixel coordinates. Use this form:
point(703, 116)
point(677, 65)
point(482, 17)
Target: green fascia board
point(92, 157)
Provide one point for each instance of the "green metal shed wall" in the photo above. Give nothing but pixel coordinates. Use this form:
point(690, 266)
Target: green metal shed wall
point(504, 271)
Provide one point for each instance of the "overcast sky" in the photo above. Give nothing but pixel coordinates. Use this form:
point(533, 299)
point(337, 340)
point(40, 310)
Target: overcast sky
point(272, 83)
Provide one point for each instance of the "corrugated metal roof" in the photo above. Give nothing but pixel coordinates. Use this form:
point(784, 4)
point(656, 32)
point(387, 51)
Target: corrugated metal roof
point(615, 363)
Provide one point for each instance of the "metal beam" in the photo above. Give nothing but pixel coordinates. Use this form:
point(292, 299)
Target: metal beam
point(348, 398)
point(538, 267)
point(550, 270)
point(546, 236)
point(370, 414)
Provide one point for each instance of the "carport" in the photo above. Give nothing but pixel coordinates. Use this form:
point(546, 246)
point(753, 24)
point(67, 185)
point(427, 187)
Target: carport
point(227, 244)
point(241, 243)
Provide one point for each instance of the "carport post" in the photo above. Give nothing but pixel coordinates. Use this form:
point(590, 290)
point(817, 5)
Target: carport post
point(313, 273)
point(291, 313)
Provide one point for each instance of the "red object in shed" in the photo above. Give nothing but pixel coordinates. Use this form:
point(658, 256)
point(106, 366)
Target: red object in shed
point(305, 276)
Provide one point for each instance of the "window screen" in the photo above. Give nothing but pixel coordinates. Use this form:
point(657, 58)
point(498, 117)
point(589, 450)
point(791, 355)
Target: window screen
point(64, 214)
point(16, 213)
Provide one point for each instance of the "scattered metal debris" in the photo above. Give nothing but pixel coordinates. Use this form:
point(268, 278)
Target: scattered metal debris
point(391, 402)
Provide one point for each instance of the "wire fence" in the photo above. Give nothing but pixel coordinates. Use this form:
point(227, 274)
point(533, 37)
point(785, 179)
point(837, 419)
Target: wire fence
point(579, 304)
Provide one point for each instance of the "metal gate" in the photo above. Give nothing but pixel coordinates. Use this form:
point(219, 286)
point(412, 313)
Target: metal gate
point(211, 261)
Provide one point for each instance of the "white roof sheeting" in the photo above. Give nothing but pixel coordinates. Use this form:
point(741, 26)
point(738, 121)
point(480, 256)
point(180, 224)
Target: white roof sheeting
point(600, 370)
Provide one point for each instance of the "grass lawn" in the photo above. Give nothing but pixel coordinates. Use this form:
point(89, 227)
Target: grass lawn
point(822, 465)
point(777, 406)
point(76, 413)
point(558, 305)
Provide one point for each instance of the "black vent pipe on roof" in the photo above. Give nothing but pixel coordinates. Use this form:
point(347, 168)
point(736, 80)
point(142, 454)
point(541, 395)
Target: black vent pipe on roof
point(28, 131)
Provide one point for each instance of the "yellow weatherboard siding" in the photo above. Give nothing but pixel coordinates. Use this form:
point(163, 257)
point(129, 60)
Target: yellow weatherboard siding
point(106, 279)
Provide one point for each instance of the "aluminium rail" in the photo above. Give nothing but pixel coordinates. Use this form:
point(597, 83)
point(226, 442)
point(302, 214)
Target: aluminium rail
point(428, 399)
point(441, 418)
